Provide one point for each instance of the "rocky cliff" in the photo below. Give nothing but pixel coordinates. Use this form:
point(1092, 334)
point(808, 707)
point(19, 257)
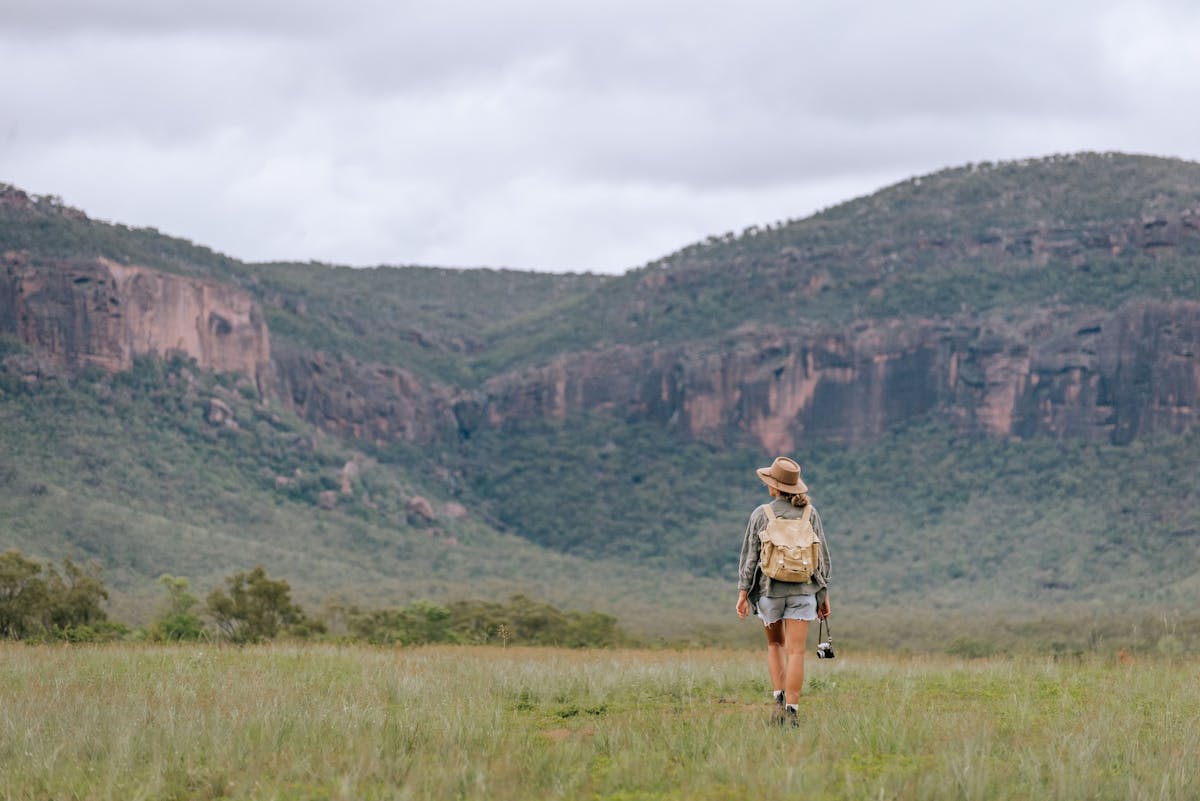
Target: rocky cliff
point(97, 312)
point(373, 402)
point(1056, 371)
point(1060, 372)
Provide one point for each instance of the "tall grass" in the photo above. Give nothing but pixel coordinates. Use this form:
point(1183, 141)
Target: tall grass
point(318, 722)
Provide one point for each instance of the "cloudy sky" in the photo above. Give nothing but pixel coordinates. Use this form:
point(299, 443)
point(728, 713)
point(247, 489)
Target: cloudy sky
point(557, 134)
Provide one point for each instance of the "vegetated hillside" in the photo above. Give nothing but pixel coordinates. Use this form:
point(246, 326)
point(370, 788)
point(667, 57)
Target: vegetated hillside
point(925, 515)
point(167, 469)
point(1025, 263)
point(1086, 230)
point(42, 225)
point(426, 319)
point(925, 505)
point(429, 320)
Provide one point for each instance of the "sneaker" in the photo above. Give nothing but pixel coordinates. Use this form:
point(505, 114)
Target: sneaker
point(777, 711)
point(791, 718)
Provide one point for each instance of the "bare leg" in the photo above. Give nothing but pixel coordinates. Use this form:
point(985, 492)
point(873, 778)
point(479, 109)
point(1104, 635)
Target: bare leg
point(795, 635)
point(775, 647)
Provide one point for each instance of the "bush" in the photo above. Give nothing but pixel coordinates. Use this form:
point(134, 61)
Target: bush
point(972, 648)
point(22, 596)
point(177, 622)
point(38, 602)
point(523, 621)
point(256, 608)
point(420, 622)
point(520, 621)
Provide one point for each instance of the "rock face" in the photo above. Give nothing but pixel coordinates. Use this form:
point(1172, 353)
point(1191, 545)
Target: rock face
point(365, 401)
point(97, 312)
point(1060, 372)
point(1100, 376)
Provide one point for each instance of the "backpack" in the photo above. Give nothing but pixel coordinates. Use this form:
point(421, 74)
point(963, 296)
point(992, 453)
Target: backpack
point(790, 549)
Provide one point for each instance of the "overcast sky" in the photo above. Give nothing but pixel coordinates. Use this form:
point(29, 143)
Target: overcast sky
point(551, 134)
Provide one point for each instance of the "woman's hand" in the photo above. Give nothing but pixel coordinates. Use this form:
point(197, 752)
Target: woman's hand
point(743, 604)
point(823, 609)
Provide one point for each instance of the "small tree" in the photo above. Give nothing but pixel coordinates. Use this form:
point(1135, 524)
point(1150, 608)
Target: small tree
point(22, 595)
point(254, 608)
point(37, 601)
point(74, 598)
point(177, 621)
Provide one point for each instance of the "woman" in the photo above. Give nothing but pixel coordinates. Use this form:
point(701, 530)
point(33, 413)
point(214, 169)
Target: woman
point(785, 607)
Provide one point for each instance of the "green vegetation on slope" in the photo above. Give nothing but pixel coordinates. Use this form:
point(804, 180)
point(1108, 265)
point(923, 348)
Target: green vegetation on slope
point(959, 241)
point(129, 471)
point(975, 201)
point(427, 320)
point(924, 513)
point(43, 227)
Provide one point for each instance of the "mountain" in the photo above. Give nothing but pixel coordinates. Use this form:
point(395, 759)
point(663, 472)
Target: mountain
point(990, 375)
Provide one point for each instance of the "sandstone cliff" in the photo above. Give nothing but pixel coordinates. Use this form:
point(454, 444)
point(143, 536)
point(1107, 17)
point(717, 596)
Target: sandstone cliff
point(372, 402)
point(1062, 373)
point(1044, 251)
point(98, 312)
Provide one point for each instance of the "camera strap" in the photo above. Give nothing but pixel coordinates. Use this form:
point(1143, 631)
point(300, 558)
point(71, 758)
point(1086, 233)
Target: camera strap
point(824, 634)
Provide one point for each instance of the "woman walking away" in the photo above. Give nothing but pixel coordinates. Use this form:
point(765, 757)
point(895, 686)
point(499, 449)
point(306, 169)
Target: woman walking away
point(783, 577)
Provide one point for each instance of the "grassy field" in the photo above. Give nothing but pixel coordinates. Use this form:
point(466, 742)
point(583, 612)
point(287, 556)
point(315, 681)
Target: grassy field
point(327, 722)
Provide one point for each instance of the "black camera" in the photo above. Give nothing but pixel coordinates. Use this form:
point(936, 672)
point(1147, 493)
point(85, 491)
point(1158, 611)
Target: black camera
point(825, 635)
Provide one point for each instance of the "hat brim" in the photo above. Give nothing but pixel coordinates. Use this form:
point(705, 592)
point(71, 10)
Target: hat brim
point(764, 473)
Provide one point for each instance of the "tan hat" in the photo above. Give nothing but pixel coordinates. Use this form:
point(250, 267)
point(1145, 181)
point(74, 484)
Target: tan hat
point(783, 475)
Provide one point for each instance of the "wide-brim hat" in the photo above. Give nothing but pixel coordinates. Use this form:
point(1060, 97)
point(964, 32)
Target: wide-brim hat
point(783, 475)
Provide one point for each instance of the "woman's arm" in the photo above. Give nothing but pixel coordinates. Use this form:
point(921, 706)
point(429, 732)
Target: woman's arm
point(748, 565)
point(825, 566)
point(748, 561)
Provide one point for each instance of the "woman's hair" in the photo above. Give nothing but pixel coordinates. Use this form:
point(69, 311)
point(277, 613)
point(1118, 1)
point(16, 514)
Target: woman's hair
point(799, 499)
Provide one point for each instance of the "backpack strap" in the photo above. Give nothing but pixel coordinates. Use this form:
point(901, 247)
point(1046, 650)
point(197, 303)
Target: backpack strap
point(771, 512)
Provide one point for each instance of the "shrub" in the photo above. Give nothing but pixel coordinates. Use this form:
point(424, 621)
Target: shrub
point(177, 622)
point(254, 608)
point(38, 602)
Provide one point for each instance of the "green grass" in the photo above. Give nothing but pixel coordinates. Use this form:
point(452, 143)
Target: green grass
point(319, 722)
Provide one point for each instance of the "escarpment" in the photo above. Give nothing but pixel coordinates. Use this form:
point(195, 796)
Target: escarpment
point(76, 313)
point(1097, 375)
point(1103, 376)
point(1058, 298)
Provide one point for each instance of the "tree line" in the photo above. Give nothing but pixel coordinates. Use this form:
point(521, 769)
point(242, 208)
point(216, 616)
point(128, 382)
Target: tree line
point(41, 603)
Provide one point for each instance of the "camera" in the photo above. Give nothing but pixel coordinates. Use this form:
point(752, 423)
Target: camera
point(825, 635)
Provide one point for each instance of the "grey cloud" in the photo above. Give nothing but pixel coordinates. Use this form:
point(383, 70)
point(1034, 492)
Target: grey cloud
point(151, 17)
point(544, 134)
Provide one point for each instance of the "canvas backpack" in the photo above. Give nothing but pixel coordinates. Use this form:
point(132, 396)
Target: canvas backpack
point(790, 548)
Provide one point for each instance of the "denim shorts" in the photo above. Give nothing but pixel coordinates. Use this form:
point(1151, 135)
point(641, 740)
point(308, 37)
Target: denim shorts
point(790, 607)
